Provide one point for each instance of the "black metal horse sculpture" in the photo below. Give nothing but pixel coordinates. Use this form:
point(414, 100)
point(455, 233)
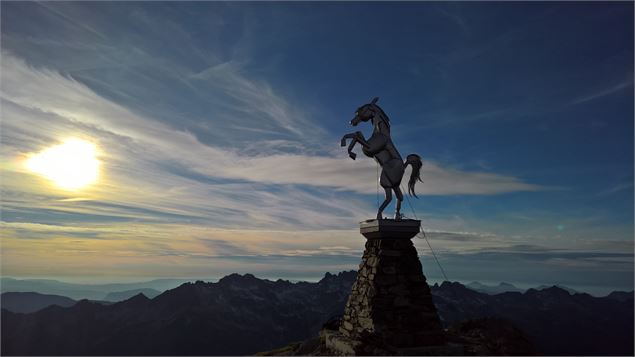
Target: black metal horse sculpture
point(380, 147)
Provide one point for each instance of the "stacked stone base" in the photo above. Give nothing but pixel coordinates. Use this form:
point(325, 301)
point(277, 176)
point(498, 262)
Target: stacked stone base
point(390, 308)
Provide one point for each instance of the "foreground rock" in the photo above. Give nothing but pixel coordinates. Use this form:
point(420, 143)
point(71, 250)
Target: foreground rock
point(490, 337)
point(481, 337)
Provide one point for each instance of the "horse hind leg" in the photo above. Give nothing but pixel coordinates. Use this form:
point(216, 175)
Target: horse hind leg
point(385, 203)
point(398, 215)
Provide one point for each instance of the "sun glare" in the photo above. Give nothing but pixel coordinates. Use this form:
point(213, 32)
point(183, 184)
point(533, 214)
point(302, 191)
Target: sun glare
point(71, 165)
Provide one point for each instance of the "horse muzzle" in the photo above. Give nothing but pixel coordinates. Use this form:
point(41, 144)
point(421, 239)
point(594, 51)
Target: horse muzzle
point(355, 121)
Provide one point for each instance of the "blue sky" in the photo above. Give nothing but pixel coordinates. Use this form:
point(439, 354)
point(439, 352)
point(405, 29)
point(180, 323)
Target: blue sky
point(218, 126)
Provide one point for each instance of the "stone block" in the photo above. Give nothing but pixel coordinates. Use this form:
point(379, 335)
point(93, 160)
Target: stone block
point(389, 270)
point(399, 290)
point(366, 324)
point(390, 252)
point(401, 301)
point(385, 279)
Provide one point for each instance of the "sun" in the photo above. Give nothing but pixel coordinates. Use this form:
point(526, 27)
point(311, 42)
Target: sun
point(71, 165)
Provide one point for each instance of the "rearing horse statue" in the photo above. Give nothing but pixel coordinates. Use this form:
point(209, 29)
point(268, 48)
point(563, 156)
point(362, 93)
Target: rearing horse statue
point(380, 147)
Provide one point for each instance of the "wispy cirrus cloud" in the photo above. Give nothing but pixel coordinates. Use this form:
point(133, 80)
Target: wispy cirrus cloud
point(615, 88)
point(261, 108)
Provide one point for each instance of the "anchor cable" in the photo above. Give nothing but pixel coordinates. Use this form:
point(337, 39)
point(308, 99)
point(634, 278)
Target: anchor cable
point(425, 237)
point(377, 196)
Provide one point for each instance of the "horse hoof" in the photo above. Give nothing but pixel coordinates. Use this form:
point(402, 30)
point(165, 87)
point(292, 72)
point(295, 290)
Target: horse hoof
point(352, 155)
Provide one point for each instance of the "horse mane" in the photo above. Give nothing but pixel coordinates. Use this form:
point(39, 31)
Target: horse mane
point(382, 115)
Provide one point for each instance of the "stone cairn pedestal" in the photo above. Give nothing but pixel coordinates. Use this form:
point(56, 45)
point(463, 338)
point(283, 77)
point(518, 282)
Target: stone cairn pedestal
point(390, 309)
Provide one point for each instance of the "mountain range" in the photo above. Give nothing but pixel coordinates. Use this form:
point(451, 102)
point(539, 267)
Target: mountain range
point(127, 294)
point(32, 302)
point(491, 290)
point(27, 302)
point(557, 322)
point(237, 315)
point(241, 314)
point(122, 291)
point(87, 291)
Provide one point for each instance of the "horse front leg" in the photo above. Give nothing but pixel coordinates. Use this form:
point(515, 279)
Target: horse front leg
point(354, 140)
point(359, 136)
point(351, 154)
point(348, 136)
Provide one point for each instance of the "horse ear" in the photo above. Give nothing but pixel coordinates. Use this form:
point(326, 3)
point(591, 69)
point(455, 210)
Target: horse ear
point(374, 100)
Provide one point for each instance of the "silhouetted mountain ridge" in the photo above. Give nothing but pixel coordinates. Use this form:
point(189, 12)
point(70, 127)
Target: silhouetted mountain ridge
point(126, 294)
point(497, 289)
point(621, 295)
point(83, 291)
point(568, 289)
point(555, 320)
point(241, 314)
point(26, 302)
point(504, 287)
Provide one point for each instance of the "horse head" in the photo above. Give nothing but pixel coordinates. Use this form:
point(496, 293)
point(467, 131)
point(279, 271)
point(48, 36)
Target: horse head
point(365, 112)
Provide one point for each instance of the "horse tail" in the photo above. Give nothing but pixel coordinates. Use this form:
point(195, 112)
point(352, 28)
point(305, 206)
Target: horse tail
point(415, 161)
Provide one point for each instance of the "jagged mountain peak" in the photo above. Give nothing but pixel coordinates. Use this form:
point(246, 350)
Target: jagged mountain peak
point(139, 298)
point(552, 290)
point(621, 295)
point(346, 275)
point(239, 279)
point(500, 288)
point(452, 285)
point(568, 289)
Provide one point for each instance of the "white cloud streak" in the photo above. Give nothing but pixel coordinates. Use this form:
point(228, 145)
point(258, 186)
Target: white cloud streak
point(604, 92)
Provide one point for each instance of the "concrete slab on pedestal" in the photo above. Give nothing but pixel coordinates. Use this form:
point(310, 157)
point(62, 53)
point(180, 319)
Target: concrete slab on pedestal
point(389, 228)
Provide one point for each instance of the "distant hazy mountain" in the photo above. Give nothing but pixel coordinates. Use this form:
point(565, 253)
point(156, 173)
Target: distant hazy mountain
point(620, 296)
point(569, 290)
point(491, 290)
point(242, 315)
point(82, 291)
point(31, 302)
point(127, 294)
